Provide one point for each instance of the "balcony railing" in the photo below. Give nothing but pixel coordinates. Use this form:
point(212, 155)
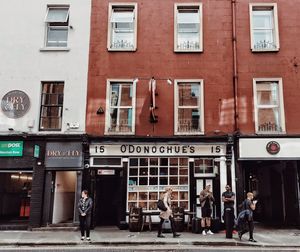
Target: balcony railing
point(269, 127)
point(122, 44)
point(265, 45)
point(123, 126)
point(188, 126)
point(188, 46)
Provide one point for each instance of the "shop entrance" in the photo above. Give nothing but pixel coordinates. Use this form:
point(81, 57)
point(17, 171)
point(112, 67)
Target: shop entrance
point(15, 194)
point(275, 185)
point(63, 196)
point(108, 197)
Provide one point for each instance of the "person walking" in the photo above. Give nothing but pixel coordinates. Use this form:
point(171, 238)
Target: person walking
point(228, 198)
point(246, 217)
point(206, 200)
point(85, 205)
point(167, 214)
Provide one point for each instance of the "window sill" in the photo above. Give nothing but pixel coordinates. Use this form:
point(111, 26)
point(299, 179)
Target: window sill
point(188, 133)
point(55, 49)
point(119, 133)
point(121, 50)
point(188, 51)
point(266, 50)
point(270, 133)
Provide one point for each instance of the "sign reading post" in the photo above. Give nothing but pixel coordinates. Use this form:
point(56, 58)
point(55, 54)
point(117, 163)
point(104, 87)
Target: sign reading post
point(11, 149)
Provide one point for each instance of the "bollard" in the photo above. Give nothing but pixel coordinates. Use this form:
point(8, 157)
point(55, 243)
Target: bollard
point(228, 218)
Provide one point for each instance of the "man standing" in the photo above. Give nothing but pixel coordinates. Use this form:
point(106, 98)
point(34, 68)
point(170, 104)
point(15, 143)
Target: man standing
point(206, 201)
point(228, 198)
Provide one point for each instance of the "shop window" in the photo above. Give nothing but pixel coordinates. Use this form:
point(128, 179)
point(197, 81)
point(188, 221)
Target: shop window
point(204, 167)
point(264, 27)
point(269, 109)
point(51, 106)
point(189, 107)
point(120, 114)
point(57, 26)
point(145, 188)
point(188, 28)
point(122, 27)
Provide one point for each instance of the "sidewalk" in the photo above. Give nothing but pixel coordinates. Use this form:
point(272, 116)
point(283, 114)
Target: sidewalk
point(267, 238)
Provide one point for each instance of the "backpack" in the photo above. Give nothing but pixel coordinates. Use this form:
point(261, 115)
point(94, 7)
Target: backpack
point(161, 206)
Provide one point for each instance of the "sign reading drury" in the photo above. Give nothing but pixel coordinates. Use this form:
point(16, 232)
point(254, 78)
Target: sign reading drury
point(15, 104)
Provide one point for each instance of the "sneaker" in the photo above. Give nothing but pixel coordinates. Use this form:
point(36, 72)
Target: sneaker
point(209, 232)
point(82, 238)
point(160, 236)
point(176, 235)
point(203, 232)
point(252, 240)
point(88, 239)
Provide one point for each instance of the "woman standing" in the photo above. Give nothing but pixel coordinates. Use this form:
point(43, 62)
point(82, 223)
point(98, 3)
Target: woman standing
point(85, 205)
point(167, 215)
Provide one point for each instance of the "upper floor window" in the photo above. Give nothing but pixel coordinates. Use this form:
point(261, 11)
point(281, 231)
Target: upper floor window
point(264, 27)
point(189, 107)
point(269, 110)
point(51, 105)
point(188, 27)
point(120, 107)
point(57, 24)
point(122, 27)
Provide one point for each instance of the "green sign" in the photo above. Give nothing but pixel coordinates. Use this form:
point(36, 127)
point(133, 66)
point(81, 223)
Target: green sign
point(11, 149)
point(36, 153)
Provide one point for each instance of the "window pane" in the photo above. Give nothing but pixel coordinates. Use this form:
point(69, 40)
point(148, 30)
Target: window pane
point(57, 36)
point(189, 120)
point(50, 123)
point(189, 94)
point(263, 19)
point(58, 15)
point(121, 94)
point(263, 39)
point(51, 111)
point(269, 119)
point(267, 93)
point(121, 120)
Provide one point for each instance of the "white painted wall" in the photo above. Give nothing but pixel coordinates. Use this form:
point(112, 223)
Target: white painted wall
point(64, 197)
point(23, 66)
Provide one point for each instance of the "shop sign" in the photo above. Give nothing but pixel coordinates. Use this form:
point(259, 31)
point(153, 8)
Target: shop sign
point(15, 104)
point(106, 172)
point(269, 148)
point(36, 152)
point(157, 149)
point(11, 149)
point(63, 155)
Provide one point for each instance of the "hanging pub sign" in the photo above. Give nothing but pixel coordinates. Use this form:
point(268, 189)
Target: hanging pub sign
point(15, 104)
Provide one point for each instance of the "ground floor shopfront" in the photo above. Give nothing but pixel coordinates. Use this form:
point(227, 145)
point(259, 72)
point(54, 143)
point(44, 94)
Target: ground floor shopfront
point(125, 175)
point(270, 167)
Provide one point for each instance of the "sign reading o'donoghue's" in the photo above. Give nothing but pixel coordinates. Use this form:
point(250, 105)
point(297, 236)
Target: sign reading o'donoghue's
point(63, 154)
point(11, 149)
point(157, 149)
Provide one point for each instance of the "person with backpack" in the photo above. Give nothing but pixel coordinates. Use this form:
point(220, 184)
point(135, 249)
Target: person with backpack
point(245, 218)
point(85, 205)
point(166, 213)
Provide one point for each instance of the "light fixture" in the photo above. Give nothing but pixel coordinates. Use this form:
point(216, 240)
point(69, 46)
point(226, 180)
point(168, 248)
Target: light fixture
point(169, 81)
point(10, 129)
point(135, 80)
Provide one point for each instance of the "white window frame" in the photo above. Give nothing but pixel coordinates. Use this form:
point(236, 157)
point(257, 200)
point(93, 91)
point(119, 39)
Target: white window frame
point(276, 28)
point(107, 114)
point(48, 26)
point(281, 104)
point(199, 5)
point(176, 103)
point(109, 30)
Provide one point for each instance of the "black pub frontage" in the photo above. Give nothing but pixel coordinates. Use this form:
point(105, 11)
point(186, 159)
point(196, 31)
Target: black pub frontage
point(127, 174)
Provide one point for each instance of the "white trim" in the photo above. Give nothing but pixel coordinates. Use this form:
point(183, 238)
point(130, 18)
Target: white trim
point(276, 27)
point(109, 29)
point(176, 5)
point(107, 110)
point(201, 82)
point(281, 104)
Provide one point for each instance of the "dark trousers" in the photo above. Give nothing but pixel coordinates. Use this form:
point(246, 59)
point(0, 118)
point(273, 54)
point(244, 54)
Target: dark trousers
point(85, 224)
point(172, 225)
point(249, 229)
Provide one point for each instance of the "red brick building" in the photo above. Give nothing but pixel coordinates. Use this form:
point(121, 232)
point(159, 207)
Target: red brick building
point(174, 85)
point(268, 114)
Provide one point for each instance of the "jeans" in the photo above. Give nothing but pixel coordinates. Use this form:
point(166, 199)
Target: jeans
point(85, 224)
point(250, 228)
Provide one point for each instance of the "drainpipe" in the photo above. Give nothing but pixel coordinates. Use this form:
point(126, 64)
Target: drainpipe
point(235, 74)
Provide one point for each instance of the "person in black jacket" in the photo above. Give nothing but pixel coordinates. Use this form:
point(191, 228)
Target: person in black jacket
point(85, 205)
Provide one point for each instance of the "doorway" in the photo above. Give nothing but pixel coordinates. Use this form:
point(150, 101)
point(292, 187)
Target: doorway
point(64, 196)
point(108, 198)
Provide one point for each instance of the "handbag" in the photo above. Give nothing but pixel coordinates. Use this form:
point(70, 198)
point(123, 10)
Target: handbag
point(161, 206)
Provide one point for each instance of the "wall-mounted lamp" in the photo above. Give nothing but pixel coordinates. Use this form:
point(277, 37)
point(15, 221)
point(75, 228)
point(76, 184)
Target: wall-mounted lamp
point(10, 129)
point(100, 111)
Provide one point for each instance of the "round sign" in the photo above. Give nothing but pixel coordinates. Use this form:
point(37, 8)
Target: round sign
point(15, 104)
point(273, 147)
